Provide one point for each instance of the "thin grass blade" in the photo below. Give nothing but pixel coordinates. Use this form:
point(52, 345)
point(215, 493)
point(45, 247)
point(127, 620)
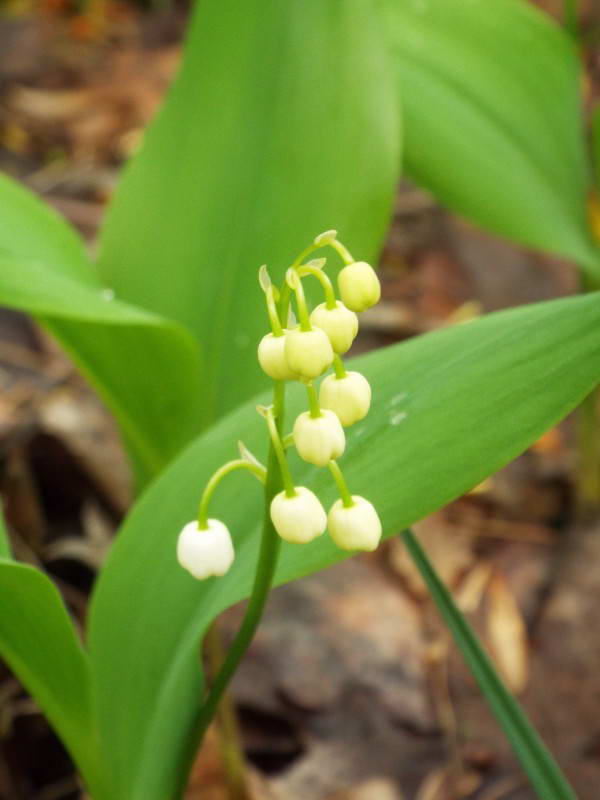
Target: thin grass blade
point(537, 761)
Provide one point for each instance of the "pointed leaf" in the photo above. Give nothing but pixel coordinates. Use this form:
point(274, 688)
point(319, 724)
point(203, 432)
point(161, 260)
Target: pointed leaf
point(38, 641)
point(144, 367)
point(544, 773)
point(282, 123)
point(493, 119)
point(449, 409)
point(31, 229)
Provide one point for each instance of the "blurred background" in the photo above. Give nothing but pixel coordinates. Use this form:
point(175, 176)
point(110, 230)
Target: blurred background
point(352, 689)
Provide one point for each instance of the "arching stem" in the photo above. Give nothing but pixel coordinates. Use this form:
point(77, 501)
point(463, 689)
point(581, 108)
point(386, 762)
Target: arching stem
point(338, 477)
point(239, 463)
point(263, 579)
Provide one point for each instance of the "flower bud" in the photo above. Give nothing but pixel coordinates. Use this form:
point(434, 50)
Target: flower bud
point(348, 397)
point(357, 527)
point(339, 323)
point(308, 353)
point(205, 552)
point(359, 286)
point(319, 439)
point(298, 519)
point(272, 359)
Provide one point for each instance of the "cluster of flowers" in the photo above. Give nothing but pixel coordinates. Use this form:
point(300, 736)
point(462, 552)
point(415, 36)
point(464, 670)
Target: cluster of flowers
point(303, 352)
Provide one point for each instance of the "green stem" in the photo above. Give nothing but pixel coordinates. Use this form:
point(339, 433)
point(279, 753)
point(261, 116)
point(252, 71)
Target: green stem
point(330, 301)
point(272, 311)
point(284, 303)
point(302, 307)
point(313, 400)
point(305, 253)
point(284, 296)
point(543, 772)
point(217, 477)
point(279, 450)
point(343, 251)
point(230, 744)
point(338, 365)
point(265, 570)
point(338, 477)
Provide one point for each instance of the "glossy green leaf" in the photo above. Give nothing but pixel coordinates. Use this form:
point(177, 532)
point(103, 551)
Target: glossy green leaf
point(493, 121)
point(282, 123)
point(449, 409)
point(145, 368)
point(544, 773)
point(31, 229)
point(38, 641)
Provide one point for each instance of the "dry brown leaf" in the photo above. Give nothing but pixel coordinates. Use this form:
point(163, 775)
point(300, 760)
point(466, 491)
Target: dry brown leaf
point(99, 118)
point(449, 549)
point(71, 413)
point(469, 594)
point(470, 310)
point(433, 785)
point(443, 784)
point(373, 789)
point(550, 443)
point(507, 634)
point(483, 487)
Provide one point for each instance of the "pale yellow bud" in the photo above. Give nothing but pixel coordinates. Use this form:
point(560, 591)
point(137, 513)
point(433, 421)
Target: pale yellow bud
point(298, 519)
point(348, 397)
point(271, 357)
point(205, 552)
point(359, 286)
point(339, 323)
point(308, 353)
point(355, 528)
point(319, 439)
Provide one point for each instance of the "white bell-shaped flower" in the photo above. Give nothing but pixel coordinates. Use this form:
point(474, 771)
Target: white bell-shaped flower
point(298, 519)
point(271, 357)
point(205, 552)
point(308, 353)
point(339, 323)
point(359, 286)
point(319, 439)
point(357, 527)
point(348, 397)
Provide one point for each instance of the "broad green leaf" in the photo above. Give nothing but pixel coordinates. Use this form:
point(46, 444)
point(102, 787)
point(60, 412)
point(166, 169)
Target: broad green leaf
point(283, 122)
point(493, 120)
point(543, 771)
point(38, 641)
point(4, 540)
point(449, 409)
point(144, 367)
point(31, 229)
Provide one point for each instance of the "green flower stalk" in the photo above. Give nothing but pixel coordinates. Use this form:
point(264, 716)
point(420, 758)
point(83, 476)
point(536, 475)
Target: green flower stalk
point(294, 513)
point(205, 548)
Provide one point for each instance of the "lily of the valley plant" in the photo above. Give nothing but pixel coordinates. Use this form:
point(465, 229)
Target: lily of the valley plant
point(285, 119)
point(302, 352)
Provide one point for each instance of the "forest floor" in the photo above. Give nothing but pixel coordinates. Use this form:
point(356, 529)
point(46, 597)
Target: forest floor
point(352, 689)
